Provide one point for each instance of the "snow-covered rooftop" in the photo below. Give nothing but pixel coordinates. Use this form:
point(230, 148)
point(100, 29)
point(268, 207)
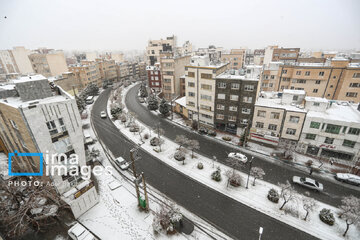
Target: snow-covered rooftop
point(181, 101)
point(316, 99)
point(276, 103)
point(236, 75)
point(338, 111)
point(292, 91)
point(29, 78)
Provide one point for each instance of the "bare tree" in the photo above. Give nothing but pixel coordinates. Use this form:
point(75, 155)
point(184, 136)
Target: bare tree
point(193, 145)
point(141, 129)
point(234, 163)
point(181, 140)
point(257, 173)
point(233, 178)
point(350, 211)
point(288, 193)
point(309, 205)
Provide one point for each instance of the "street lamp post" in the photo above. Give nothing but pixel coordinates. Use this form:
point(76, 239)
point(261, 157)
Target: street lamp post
point(247, 182)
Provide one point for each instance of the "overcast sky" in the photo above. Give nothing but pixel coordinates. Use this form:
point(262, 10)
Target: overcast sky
point(126, 25)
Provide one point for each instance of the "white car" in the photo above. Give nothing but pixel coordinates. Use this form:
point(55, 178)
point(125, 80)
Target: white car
point(103, 114)
point(78, 232)
point(141, 100)
point(308, 182)
point(348, 178)
point(122, 163)
point(241, 157)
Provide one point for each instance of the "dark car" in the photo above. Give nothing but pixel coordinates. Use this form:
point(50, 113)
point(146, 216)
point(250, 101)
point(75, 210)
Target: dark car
point(203, 130)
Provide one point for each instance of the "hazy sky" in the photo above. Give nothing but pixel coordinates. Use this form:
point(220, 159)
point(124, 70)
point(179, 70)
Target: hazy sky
point(125, 25)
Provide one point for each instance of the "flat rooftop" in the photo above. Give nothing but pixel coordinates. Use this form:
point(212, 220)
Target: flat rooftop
point(276, 103)
point(338, 111)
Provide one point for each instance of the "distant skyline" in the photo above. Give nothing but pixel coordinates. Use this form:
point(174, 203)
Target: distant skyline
point(118, 25)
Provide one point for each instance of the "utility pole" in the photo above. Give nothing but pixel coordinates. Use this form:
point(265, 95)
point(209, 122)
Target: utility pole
point(247, 182)
point(145, 193)
point(132, 151)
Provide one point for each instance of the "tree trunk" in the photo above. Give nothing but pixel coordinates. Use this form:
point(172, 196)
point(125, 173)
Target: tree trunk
point(254, 181)
point(192, 154)
point(347, 228)
point(307, 213)
point(283, 205)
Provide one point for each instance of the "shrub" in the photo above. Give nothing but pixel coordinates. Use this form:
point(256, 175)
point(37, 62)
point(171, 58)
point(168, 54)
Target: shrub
point(212, 133)
point(194, 125)
point(200, 165)
point(327, 216)
point(123, 118)
point(134, 128)
point(226, 138)
point(309, 163)
point(146, 136)
point(273, 195)
point(154, 141)
point(216, 175)
point(179, 155)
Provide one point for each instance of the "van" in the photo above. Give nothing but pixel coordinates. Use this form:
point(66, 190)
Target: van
point(89, 100)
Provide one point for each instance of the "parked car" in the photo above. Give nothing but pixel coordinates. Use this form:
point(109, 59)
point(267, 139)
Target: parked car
point(348, 178)
point(308, 182)
point(212, 133)
point(141, 100)
point(241, 157)
point(203, 130)
point(79, 232)
point(103, 114)
point(88, 139)
point(122, 163)
point(89, 100)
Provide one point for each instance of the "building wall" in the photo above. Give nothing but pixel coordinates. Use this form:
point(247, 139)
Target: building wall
point(267, 120)
point(86, 74)
point(288, 124)
point(235, 58)
point(21, 57)
point(57, 63)
point(349, 86)
point(7, 62)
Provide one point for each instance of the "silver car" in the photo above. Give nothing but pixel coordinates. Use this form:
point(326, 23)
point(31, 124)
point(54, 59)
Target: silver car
point(238, 156)
point(308, 182)
point(348, 178)
point(122, 163)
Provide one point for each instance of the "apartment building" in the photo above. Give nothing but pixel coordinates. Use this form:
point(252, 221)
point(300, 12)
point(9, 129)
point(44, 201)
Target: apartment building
point(7, 63)
point(270, 76)
point(21, 57)
point(212, 52)
point(235, 58)
point(337, 80)
point(200, 82)
point(122, 71)
point(38, 118)
point(285, 55)
point(48, 62)
point(331, 130)
point(154, 77)
point(107, 69)
point(172, 68)
point(117, 57)
point(86, 73)
point(182, 86)
point(68, 82)
point(155, 47)
point(235, 96)
point(278, 118)
point(142, 71)
point(254, 57)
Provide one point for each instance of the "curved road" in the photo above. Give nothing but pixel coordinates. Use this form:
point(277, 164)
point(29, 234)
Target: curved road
point(275, 172)
point(235, 219)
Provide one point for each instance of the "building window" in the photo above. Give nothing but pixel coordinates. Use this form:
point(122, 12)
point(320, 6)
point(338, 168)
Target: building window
point(321, 73)
point(315, 125)
point(354, 131)
point(294, 119)
point(206, 76)
point(235, 86)
point(234, 97)
point(356, 75)
point(315, 90)
point(249, 88)
point(232, 118)
point(330, 128)
point(310, 136)
point(354, 85)
point(261, 113)
point(298, 72)
point(272, 127)
point(166, 80)
point(329, 140)
point(295, 98)
point(220, 106)
point(191, 94)
point(284, 71)
point(206, 87)
point(191, 74)
point(259, 125)
point(233, 108)
point(272, 77)
point(191, 104)
point(221, 85)
point(206, 116)
point(307, 73)
point(317, 82)
point(274, 115)
point(246, 110)
point(220, 116)
point(348, 143)
point(204, 107)
point(13, 124)
point(205, 97)
point(351, 94)
point(221, 96)
point(290, 131)
point(247, 99)
point(316, 104)
point(191, 84)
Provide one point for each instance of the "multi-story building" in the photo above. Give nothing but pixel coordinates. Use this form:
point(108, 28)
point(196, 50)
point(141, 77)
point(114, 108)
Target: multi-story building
point(155, 47)
point(68, 82)
point(278, 118)
point(21, 57)
point(48, 62)
point(122, 70)
point(117, 57)
point(172, 68)
point(285, 55)
point(337, 80)
point(107, 69)
point(7, 62)
point(37, 118)
point(182, 86)
point(212, 52)
point(154, 77)
point(254, 57)
point(200, 88)
point(331, 130)
point(86, 73)
point(269, 76)
point(142, 71)
point(235, 96)
point(236, 58)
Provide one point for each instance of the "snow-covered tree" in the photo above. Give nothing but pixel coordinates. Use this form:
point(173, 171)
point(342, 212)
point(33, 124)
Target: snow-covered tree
point(350, 211)
point(234, 163)
point(92, 89)
point(164, 108)
point(257, 173)
point(153, 103)
point(168, 218)
point(288, 193)
point(233, 178)
point(309, 205)
point(192, 146)
point(80, 102)
point(143, 91)
point(115, 111)
point(141, 130)
point(182, 140)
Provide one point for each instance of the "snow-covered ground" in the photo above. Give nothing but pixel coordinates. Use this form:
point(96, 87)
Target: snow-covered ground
point(254, 197)
point(117, 213)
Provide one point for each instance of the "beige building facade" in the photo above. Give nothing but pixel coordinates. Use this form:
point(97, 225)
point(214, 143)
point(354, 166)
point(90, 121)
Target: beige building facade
point(235, 58)
point(86, 74)
point(155, 47)
point(49, 64)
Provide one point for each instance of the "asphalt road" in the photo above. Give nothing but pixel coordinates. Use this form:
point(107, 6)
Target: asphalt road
point(235, 219)
point(275, 172)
